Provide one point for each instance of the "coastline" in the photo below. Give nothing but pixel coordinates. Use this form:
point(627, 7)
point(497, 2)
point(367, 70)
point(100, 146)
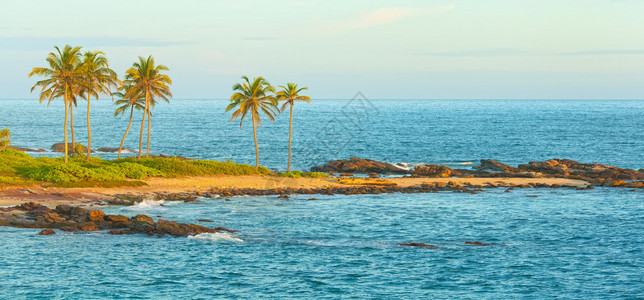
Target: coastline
point(257, 184)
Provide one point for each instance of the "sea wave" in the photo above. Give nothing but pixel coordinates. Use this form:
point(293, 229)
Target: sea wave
point(147, 205)
point(216, 237)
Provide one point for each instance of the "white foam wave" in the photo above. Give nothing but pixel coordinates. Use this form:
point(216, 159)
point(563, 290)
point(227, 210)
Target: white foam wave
point(146, 205)
point(216, 237)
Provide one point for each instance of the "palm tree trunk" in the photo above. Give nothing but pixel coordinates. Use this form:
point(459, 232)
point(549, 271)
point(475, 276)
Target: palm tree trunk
point(126, 131)
point(89, 130)
point(147, 153)
point(145, 111)
point(256, 146)
point(66, 112)
point(290, 136)
point(71, 115)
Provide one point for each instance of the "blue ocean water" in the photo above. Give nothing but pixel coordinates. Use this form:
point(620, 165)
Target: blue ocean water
point(569, 244)
point(564, 243)
point(409, 131)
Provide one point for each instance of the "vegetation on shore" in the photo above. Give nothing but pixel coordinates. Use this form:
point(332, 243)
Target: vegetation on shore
point(18, 168)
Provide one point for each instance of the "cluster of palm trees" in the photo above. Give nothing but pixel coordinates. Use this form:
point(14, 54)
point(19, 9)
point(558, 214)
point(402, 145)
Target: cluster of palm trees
point(259, 97)
point(71, 75)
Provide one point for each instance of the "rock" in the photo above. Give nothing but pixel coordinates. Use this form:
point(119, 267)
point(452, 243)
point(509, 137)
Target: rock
point(205, 220)
point(434, 171)
point(477, 243)
point(171, 228)
point(47, 231)
point(421, 245)
point(88, 227)
point(282, 197)
point(60, 147)
point(576, 170)
point(116, 218)
point(311, 199)
point(120, 232)
point(142, 218)
point(359, 165)
point(96, 215)
point(226, 229)
point(495, 166)
point(374, 175)
point(25, 149)
point(114, 150)
point(346, 174)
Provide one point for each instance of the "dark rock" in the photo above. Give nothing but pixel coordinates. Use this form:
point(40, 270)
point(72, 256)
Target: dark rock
point(477, 243)
point(205, 220)
point(171, 228)
point(359, 165)
point(142, 218)
point(225, 229)
point(283, 196)
point(120, 232)
point(60, 147)
point(25, 149)
point(493, 165)
point(96, 215)
point(434, 171)
point(311, 199)
point(114, 150)
point(421, 245)
point(116, 218)
point(47, 232)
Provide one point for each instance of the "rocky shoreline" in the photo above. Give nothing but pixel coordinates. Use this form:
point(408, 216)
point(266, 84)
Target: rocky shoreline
point(596, 174)
point(77, 219)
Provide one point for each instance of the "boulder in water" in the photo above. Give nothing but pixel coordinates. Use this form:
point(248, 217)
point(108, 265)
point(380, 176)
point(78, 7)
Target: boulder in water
point(360, 166)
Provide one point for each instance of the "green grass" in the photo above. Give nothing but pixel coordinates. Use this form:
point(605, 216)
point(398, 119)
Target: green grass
point(18, 168)
point(316, 175)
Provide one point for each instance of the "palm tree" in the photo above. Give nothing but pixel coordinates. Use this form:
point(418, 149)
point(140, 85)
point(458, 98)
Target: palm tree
point(63, 78)
point(146, 79)
point(136, 102)
point(99, 78)
point(253, 97)
point(289, 94)
point(152, 103)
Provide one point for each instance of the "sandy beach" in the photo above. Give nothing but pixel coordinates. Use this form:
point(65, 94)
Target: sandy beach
point(52, 196)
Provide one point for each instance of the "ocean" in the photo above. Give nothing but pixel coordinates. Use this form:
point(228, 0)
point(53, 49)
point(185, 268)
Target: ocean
point(563, 243)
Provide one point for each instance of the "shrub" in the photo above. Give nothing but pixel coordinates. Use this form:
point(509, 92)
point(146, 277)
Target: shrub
point(4, 138)
point(316, 175)
point(136, 171)
point(291, 174)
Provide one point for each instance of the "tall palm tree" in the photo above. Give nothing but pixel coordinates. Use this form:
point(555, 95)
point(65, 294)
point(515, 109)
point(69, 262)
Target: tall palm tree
point(152, 103)
point(99, 78)
point(63, 78)
point(289, 94)
point(136, 102)
point(254, 97)
point(146, 79)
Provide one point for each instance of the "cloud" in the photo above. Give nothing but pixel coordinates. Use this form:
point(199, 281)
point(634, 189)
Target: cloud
point(258, 38)
point(385, 15)
point(477, 53)
point(39, 43)
point(606, 52)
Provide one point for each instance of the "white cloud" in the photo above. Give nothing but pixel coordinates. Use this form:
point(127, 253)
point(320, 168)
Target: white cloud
point(385, 15)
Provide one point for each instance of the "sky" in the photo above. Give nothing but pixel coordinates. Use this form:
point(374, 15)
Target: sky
point(431, 49)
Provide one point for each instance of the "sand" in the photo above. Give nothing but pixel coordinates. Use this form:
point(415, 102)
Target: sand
point(93, 196)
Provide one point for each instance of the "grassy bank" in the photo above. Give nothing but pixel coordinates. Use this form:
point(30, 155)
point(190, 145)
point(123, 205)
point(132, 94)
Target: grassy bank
point(18, 168)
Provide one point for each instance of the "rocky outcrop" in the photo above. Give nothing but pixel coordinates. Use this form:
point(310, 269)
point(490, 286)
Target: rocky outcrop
point(434, 171)
point(359, 165)
point(25, 149)
point(590, 172)
point(74, 219)
point(491, 165)
point(114, 150)
point(60, 147)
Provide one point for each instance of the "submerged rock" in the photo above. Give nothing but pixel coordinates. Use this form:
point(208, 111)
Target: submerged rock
point(60, 147)
point(47, 232)
point(421, 245)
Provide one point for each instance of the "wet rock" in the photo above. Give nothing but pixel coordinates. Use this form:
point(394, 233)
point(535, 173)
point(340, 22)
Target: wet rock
point(120, 232)
point(283, 197)
point(114, 150)
point(47, 232)
point(116, 218)
point(434, 171)
point(171, 228)
point(142, 218)
point(226, 229)
point(25, 149)
point(359, 165)
point(477, 243)
point(96, 215)
point(420, 245)
point(205, 220)
point(311, 199)
point(495, 166)
point(88, 227)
